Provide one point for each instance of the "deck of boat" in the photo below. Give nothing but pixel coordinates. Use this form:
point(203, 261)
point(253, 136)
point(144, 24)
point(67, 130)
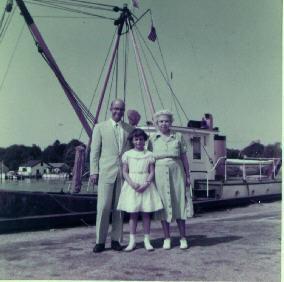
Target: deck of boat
point(240, 244)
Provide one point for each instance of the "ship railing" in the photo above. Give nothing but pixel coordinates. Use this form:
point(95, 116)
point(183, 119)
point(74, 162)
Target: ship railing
point(211, 170)
point(245, 164)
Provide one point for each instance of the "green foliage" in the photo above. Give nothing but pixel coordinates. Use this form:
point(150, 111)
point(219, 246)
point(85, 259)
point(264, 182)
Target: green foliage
point(54, 153)
point(17, 155)
point(256, 150)
point(233, 153)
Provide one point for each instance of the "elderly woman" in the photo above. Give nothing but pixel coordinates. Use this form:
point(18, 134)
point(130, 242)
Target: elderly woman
point(171, 175)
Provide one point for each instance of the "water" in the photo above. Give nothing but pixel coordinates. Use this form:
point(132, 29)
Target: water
point(41, 185)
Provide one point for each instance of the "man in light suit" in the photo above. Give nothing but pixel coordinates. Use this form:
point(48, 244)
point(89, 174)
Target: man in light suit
point(109, 142)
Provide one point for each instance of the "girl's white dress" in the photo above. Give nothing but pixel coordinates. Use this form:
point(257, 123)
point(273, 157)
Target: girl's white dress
point(130, 200)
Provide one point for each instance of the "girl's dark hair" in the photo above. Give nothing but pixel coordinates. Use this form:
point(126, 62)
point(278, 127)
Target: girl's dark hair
point(137, 132)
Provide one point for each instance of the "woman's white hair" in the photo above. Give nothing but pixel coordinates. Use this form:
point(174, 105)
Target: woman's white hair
point(163, 113)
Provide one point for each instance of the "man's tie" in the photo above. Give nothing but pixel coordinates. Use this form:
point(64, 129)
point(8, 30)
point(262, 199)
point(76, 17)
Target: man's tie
point(117, 135)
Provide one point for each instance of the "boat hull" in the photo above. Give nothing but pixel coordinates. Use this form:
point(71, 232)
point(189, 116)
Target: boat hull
point(22, 211)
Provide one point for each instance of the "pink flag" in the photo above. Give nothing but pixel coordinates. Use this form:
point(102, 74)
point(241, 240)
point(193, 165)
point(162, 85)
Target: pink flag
point(152, 34)
point(135, 3)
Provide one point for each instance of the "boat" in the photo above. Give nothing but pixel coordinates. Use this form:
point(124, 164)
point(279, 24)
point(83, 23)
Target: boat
point(63, 175)
point(217, 181)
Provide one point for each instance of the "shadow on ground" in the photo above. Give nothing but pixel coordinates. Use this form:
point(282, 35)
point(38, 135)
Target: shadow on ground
point(194, 241)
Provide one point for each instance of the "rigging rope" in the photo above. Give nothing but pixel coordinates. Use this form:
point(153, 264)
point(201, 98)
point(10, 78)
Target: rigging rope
point(93, 3)
point(109, 95)
point(72, 4)
point(166, 72)
point(116, 73)
point(68, 9)
point(6, 25)
point(163, 75)
point(2, 18)
point(74, 96)
point(100, 76)
point(150, 71)
point(63, 17)
point(12, 57)
point(126, 46)
point(109, 49)
point(141, 92)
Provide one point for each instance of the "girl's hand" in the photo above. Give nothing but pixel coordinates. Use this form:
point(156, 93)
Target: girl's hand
point(135, 185)
point(143, 187)
point(187, 181)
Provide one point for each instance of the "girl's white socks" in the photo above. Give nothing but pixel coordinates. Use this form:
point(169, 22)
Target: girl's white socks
point(147, 243)
point(132, 244)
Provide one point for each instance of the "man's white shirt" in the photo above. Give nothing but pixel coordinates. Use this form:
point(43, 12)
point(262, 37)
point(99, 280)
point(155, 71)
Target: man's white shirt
point(118, 127)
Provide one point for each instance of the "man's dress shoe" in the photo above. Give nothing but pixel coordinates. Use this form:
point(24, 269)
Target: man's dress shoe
point(116, 246)
point(99, 248)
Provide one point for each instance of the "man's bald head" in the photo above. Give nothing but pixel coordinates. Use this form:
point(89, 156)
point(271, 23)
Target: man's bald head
point(117, 108)
point(116, 102)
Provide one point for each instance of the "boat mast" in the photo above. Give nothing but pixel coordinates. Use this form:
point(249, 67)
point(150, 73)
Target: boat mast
point(125, 18)
point(51, 61)
point(141, 68)
point(125, 14)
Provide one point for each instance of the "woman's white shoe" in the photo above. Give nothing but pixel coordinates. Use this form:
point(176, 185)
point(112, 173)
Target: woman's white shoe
point(167, 244)
point(183, 244)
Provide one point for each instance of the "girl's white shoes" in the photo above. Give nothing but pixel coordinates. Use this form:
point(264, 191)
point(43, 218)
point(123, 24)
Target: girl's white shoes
point(183, 244)
point(167, 244)
point(147, 243)
point(131, 246)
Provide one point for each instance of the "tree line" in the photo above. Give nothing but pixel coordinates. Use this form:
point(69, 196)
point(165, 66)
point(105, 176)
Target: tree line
point(256, 150)
point(16, 155)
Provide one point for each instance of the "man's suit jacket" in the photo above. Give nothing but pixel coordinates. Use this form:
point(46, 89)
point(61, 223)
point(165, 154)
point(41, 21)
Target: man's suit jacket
point(105, 156)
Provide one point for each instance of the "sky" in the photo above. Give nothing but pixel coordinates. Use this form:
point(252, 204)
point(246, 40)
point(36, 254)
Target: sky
point(224, 56)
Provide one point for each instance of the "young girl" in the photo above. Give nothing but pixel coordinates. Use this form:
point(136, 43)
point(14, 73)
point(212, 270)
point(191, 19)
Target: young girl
point(139, 193)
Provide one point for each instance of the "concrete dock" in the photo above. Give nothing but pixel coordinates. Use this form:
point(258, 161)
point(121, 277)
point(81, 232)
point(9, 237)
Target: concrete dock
point(239, 244)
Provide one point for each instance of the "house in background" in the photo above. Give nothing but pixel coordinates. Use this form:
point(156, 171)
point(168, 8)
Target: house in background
point(58, 168)
point(33, 168)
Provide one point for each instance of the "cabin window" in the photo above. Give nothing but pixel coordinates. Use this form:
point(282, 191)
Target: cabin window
point(196, 148)
point(24, 169)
